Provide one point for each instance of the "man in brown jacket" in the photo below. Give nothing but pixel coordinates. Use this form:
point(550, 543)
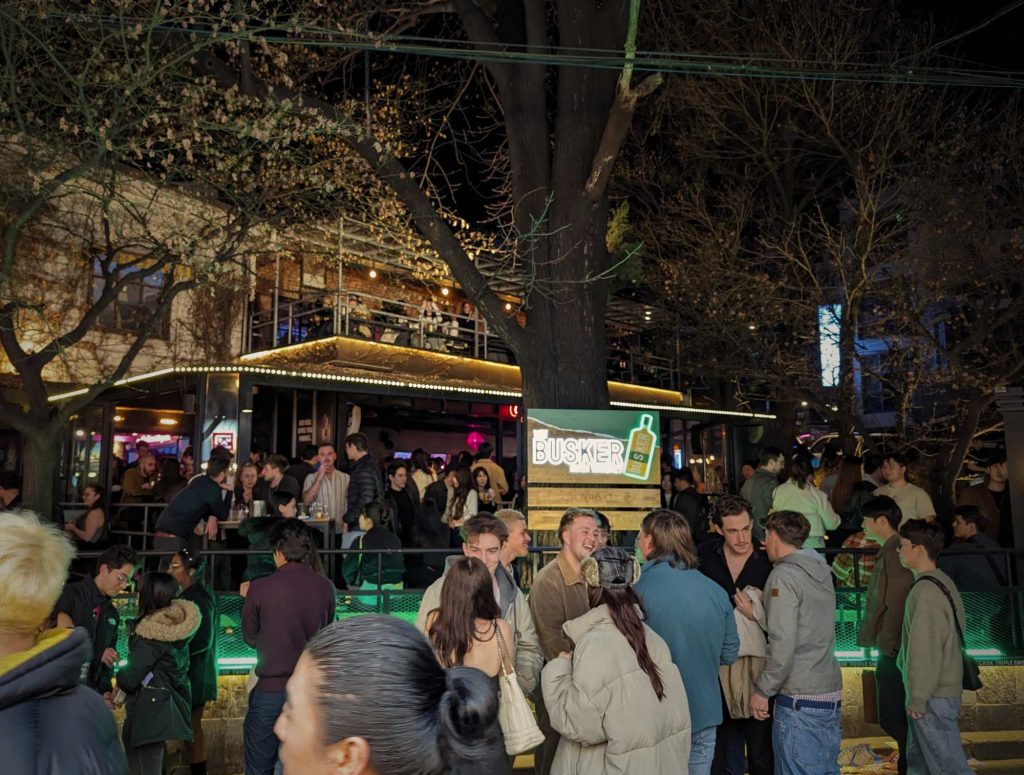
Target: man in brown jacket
point(883, 618)
point(558, 596)
point(992, 497)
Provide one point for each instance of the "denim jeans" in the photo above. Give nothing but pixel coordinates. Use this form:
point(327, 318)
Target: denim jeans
point(933, 741)
point(261, 743)
point(806, 741)
point(702, 751)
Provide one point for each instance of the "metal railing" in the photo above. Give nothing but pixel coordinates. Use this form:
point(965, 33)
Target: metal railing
point(994, 629)
point(393, 321)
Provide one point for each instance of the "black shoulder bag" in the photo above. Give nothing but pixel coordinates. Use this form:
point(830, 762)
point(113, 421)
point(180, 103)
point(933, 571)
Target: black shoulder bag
point(972, 673)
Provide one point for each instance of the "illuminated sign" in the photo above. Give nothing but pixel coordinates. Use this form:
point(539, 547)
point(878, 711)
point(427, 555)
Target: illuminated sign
point(224, 439)
point(829, 329)
point(571, 453)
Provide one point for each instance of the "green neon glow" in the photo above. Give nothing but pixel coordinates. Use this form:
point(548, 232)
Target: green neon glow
point(985, 653)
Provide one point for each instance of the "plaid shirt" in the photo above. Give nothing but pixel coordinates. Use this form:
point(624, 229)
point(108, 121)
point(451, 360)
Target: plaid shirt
point(842, 566)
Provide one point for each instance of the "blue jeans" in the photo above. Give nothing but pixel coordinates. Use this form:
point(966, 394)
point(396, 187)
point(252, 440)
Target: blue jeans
point(933, 741)
point(806, 740)
point(258, 732)
point(702, 751)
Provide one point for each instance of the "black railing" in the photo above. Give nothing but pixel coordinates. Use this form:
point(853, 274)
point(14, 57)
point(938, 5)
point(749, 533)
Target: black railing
point(392, 321)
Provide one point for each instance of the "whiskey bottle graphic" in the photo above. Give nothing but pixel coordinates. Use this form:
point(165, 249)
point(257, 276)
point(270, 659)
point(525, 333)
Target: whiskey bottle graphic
point(640, 450)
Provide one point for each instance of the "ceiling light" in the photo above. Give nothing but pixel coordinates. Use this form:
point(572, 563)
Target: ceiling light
point(508, 306)
point(803, 403)
point(168, 421)
point(444, 291)
point(80, 433)
point(373, 274)
point(118, 418)
point(752, 327)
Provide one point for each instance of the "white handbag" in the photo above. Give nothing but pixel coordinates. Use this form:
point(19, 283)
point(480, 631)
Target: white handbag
point(518, 724)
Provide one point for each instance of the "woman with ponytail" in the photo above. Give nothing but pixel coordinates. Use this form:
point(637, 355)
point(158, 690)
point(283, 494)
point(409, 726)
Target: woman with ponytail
point(368, 697)
point(617, 701)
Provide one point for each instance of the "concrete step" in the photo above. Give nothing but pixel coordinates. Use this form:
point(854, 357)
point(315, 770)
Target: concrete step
point(999, 752)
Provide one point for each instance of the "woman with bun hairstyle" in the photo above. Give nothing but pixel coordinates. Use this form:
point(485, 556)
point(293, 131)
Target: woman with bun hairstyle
point(156, 677)
point(617, 700)
point(187, 569)
point(368, 697)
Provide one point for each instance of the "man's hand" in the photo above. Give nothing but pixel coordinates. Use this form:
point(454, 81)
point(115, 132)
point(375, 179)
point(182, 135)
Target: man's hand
point(914, 714)
point(211, 528)
point(109, 657)
point(759, 706)
point(108, 698)
point(244, 589)
point(744, 605)
point(344, 527)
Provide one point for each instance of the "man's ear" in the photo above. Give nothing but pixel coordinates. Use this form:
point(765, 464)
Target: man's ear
point(350, 756)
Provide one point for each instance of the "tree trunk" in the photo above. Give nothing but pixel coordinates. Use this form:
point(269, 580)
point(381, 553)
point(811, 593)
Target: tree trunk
point(39, 470)
point(564, 363)
point(782, 433)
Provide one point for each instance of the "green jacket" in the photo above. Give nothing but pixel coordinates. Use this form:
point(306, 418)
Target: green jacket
point(930, 658)
point(160, 710)
point(202, 649)
point(362, 568)
point(257, 530)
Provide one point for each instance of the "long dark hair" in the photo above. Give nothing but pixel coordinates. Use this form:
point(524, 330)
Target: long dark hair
point(627, 614)
point(848, 476)
point(156, 591)
point(467, 595)
point(402, 700)
point(420, 462)
point(475, 474)
point(463, 486)
point(799, 471)
point(101, 497)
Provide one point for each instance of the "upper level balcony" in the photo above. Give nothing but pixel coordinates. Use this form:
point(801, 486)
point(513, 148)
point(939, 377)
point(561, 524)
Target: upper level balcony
point(277, 319)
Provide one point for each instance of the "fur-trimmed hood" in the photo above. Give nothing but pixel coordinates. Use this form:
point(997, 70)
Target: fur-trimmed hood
point(178, 621)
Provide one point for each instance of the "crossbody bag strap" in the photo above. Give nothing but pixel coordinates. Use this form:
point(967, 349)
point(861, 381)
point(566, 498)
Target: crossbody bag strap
point(506, 658)
point(952, 604)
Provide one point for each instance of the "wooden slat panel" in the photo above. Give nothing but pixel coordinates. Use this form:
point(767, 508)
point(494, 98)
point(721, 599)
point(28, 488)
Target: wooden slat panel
point(596, 497)
point(548, 519)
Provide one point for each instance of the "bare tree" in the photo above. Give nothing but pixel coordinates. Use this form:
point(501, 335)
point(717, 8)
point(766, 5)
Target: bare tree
point(124, 174)
point(561, 130)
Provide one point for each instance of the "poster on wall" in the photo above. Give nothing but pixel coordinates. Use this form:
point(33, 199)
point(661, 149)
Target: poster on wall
point(606, 460)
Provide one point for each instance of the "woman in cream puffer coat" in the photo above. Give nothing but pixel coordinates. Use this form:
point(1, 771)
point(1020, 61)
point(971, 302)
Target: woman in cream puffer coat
point(618, 700)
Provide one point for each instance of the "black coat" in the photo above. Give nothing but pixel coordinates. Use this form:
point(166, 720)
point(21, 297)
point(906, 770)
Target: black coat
point(365, 486)
point(49, 724)
point(87, 607)
point(202, 649)
point(160, 710)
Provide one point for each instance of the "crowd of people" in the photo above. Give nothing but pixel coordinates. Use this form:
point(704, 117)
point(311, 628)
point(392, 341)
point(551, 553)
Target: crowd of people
point(710, 648)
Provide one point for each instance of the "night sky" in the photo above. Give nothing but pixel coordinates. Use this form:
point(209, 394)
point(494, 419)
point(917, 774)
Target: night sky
point(998, 45)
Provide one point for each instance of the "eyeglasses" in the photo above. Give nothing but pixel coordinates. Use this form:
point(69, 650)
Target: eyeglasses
point(123, 578)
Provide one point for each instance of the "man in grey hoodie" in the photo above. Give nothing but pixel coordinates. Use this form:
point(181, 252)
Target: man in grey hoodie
point(801, 670)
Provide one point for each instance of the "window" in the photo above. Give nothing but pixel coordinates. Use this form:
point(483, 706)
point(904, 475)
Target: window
point(877, 397)
point(135, 304)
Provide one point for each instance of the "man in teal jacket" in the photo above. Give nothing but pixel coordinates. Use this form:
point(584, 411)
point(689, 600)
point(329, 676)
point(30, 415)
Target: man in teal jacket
point(694, 617)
